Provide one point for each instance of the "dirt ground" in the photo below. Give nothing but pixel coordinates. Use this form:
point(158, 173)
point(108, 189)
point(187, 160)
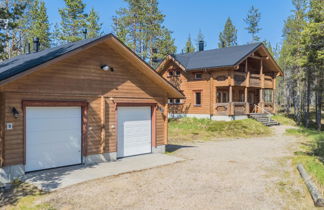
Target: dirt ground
point(254, 173)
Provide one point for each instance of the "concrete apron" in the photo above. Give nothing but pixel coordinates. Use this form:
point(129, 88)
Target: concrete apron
point(54, 179)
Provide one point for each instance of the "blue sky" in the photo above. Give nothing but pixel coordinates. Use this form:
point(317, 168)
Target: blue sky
point(185, 17)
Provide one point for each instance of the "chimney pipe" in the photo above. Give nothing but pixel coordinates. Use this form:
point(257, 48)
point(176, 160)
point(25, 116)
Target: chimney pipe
point(36, 44)
point(201, 45)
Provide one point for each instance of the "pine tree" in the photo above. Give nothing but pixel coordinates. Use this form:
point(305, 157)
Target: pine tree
point(140, 26)
point(252, 20)
point(228, 37)
point(290, 60)
point(11, 12)
point(313, 56)
point(93, 25)
point(189, 46)
point(38, 24)
point(73, 21)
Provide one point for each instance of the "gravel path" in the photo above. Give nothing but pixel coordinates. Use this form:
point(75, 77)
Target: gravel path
point(253, 173)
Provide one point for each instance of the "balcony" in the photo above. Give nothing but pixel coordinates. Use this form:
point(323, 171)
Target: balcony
point(242, 108)
point(233, 108)
point(244, 79)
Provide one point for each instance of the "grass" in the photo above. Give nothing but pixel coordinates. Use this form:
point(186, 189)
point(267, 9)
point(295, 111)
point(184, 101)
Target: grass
point(284, 119)
point(188, 129)
point(22, 196)
point(311, 153)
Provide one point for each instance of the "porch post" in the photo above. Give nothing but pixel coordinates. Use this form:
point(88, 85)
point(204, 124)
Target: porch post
point(211, 95)
point(231, 100)
point(261, 85)
point(261, 99)
point(247, 107)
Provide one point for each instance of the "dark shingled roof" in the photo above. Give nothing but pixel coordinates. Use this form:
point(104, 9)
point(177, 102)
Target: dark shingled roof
point(21, 63)
point(222, 57)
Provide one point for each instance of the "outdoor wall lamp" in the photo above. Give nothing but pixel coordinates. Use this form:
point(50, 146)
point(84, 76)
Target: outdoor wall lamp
point(107, 68)
point(14, 112)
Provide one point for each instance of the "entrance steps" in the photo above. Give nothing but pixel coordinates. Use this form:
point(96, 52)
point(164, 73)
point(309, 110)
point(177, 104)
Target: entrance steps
point(265, 119)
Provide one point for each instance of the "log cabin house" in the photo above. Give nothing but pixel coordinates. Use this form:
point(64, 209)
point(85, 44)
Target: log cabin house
point(222, 84)
point(81, 103)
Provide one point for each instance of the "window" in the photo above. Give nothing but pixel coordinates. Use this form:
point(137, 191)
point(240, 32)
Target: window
point(177, 73)
point(170, 73)
point(197, 98)
point(222, 96)
point(174, 101)
point(198, 75)
point(267, 95)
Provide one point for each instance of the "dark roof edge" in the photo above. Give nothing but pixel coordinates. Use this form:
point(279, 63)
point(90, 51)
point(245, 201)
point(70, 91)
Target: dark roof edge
point(8, 75)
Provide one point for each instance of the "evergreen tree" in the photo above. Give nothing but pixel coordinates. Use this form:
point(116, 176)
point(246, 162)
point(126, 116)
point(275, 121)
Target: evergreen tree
point(313, 56)
point(140, 26)
point(252, 20)
point(38, 26)
point(93, 25)
point(73, 21)
point(291, 52)
point(189, 46)
point(11, 12)
point(228, 37)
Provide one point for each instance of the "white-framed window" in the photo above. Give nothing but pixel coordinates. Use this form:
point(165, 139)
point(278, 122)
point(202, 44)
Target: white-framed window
point(198, 75)
point(175, 101)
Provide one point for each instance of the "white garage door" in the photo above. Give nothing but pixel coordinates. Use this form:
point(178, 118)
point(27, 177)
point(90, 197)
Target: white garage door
point(134, 131)
point(53, 137)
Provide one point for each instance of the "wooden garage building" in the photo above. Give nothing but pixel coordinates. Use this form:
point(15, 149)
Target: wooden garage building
point(84, 102)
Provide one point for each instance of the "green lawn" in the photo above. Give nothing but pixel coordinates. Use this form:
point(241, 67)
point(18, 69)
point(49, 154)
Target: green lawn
point(188, 129)
point(284, 120)
point(311, 153)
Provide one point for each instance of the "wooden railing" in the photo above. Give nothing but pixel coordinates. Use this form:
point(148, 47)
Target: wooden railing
point(233, 108)
point(245, 79)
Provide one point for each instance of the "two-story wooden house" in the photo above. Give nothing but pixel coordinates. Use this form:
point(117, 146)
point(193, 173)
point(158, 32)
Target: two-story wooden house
point(222, 84)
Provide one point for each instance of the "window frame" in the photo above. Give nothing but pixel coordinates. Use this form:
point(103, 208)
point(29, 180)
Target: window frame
point(198, 73)
point(223, 95)
point(195, 98)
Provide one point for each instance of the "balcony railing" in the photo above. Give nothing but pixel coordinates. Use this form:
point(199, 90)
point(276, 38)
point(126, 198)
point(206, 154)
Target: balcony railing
point(233, 108)
point(244, 79)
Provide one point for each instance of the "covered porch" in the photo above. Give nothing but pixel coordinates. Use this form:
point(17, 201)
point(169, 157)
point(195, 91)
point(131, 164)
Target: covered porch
point(238, 100)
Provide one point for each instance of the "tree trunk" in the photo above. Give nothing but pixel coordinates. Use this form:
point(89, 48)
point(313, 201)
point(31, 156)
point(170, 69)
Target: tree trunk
point(319, 110)
point(308, 98)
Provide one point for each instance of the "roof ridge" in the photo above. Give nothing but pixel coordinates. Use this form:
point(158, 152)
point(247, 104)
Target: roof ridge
point(198, 52)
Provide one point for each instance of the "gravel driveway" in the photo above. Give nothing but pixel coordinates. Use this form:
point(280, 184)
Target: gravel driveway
point(253, 173)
